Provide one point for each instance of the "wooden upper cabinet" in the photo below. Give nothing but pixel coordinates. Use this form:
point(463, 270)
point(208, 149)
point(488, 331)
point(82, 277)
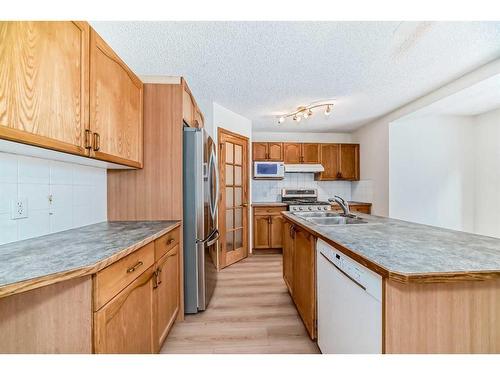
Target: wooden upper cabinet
point(116, 96)
point(191, 113)
point(329, 156)
point(275, 151)
point(292, 153)
point(198, 118)
point(341, 161)
point(188, 107)
point(44, 84)
point(310, 153)
point(259, 151)
point(267, 151)
point(349, 161)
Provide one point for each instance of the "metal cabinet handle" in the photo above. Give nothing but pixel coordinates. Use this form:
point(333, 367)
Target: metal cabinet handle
point(134, 267)
point(170, 241)
point(97, 142)
point(88, 141)
point(269, 220)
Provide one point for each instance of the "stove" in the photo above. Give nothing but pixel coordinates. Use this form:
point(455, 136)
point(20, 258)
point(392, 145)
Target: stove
point(303, 200)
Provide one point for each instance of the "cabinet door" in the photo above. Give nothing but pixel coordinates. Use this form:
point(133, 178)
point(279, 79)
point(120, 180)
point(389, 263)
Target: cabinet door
point(291, 153)
point(275, 151)
point(261, 234)
point(125, 324)
point(167, 295)
point(310, 153)
point(349, 161)
point(115, 106)
point(259, 151)
point(304, 290)
point(288, 249)
point(44, 84)
point(276, 231)
point(329, 158)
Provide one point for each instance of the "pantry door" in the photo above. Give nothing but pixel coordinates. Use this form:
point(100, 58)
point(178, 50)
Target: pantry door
point(233, 204)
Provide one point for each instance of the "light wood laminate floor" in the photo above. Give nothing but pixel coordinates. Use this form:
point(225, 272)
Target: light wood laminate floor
point(250, 312)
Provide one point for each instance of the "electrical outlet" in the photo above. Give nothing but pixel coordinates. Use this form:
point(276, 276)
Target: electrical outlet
point(19, 209)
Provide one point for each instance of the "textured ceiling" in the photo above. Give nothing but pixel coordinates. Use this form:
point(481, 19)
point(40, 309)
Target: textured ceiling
point(479, 98)
point(262, 69)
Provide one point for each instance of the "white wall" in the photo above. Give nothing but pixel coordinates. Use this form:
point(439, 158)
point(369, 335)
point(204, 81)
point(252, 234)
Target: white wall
point(229, 120)
point(431, 164)
point(487, 177)
point(79, 196)
point(374, 137)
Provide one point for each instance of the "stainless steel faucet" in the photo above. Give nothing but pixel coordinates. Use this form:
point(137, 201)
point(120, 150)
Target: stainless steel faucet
point(342, 203)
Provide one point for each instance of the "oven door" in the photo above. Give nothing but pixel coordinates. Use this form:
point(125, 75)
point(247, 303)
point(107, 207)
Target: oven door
point(262, 169)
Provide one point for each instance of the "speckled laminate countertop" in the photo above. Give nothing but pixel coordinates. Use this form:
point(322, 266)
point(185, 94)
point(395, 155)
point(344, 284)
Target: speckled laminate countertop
point(407, 251)
point(35, 262)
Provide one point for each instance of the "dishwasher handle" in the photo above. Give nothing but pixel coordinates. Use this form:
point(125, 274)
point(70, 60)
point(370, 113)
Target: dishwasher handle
point(344, 273)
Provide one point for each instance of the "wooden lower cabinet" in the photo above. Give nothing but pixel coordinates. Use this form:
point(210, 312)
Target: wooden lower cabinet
point(364, 208)
point(299, 272)
point(126, 323)
point(288, 251)
point(138, 318)
point(304, 278)
point(268, 227)
point(167, 298)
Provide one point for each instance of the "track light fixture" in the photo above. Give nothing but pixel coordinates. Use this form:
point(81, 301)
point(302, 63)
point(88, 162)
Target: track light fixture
point(306, 111)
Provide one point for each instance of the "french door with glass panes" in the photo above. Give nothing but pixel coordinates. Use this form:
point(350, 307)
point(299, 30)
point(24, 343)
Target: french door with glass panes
point(233, 207)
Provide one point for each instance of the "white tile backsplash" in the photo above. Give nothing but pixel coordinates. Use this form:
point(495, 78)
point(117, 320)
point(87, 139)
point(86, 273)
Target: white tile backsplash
point(78, 196)
point(270, 190)
point(33, 171)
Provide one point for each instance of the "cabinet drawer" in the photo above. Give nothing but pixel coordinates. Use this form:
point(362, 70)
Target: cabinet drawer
point(112, 279)
point(166, 243)
point(268, 210)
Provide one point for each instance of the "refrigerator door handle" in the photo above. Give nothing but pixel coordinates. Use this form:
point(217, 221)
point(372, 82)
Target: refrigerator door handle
point(210, 237)
point(215, 197)
point(214, 238)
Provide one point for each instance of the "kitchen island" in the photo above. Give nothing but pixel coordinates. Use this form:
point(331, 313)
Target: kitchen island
point(440, 288)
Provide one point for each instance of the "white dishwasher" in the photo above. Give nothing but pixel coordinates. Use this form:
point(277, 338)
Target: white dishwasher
point(349, 304)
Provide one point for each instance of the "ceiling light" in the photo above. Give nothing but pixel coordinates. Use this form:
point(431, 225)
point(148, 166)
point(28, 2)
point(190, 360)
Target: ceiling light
point(306, 111)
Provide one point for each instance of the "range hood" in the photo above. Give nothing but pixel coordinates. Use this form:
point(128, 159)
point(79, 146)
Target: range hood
point(304, 168)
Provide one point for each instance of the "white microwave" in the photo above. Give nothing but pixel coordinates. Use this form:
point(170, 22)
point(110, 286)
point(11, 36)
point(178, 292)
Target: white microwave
point(269, 169)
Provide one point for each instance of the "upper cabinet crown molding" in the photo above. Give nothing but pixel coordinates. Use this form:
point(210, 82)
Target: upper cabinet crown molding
point(64, 89)
point(44, 84)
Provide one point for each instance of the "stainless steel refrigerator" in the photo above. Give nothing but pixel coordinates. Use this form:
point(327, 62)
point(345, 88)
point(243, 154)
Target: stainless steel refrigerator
point(201, 191)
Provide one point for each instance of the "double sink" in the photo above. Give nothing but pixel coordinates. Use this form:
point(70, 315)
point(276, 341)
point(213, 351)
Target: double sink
point(330, 218)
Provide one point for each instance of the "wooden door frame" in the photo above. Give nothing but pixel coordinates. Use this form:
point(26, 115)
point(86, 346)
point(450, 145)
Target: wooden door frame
point(221, 219)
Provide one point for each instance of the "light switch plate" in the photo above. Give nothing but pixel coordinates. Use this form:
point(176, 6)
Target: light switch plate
point(19, 209)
